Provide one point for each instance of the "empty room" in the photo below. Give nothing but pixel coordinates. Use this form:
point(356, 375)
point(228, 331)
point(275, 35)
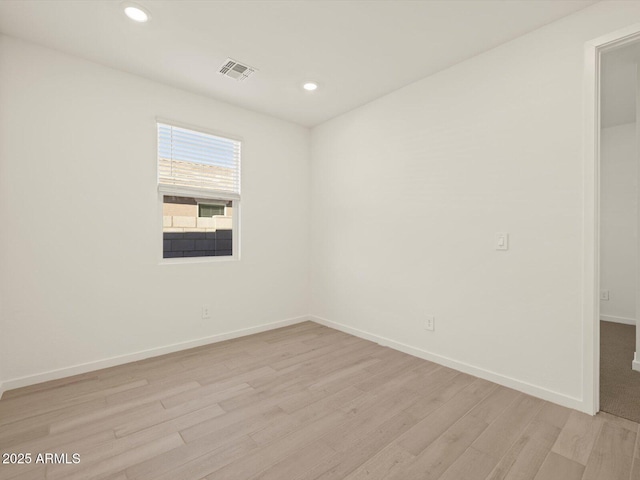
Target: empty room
point(319, 239)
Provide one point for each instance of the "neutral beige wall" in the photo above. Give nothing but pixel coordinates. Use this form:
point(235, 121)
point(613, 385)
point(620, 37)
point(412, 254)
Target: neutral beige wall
point(493, 144)
point(619, 222)
point(182, 210)
point(79, 292)
point(177, 209)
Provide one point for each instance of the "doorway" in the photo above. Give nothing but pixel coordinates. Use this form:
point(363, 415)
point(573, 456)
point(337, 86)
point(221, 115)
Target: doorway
point(611, 200)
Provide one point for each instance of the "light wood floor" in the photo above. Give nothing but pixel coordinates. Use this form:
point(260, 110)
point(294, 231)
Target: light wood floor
point(305, 402)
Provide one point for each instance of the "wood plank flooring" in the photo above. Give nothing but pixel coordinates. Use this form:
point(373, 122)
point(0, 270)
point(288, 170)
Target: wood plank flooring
point(304, 402)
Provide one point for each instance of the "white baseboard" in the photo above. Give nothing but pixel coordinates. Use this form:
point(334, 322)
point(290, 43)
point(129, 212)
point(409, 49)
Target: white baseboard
point(534, 390)
point(11, 384)
point(635, 365)
point(614, 319)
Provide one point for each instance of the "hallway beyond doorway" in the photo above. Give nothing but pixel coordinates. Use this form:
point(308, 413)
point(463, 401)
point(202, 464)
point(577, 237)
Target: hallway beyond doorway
point(619, 384)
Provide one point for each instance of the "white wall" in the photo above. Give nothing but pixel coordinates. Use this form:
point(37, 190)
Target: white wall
point(619, 222)
point(406, 195)
point(635, 364)
point(80, 138)
point(409, 190)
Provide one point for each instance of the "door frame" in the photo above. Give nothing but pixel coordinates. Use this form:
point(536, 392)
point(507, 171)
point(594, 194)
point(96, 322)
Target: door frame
point(591, 266)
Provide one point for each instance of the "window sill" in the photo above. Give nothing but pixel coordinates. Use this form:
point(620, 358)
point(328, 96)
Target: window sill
point(189, 260)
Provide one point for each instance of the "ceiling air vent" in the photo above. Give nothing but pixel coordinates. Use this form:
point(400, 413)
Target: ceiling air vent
point(236, 70)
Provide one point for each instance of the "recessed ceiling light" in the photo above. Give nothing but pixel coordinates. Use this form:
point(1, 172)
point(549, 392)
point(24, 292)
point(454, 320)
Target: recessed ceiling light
point(136, 13)
point(310, 86)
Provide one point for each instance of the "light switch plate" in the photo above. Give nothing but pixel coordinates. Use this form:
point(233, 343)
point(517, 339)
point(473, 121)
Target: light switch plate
point(502, 241)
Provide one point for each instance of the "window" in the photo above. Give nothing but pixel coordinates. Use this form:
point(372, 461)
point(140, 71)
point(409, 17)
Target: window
point(209, 210)
point(199, 183)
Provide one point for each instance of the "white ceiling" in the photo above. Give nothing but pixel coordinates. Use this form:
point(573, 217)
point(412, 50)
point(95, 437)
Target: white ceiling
point(357, 50)
point(618, 93)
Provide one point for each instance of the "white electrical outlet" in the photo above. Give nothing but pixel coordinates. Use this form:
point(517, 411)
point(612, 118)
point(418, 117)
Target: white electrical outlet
point(604, 295)
point(430, 323)
point(205, 312)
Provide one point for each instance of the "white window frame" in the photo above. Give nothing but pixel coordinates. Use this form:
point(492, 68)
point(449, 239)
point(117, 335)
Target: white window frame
point(200, 194)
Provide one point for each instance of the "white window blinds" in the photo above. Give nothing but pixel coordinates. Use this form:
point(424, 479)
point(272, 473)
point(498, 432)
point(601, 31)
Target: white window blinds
point(193, 160)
